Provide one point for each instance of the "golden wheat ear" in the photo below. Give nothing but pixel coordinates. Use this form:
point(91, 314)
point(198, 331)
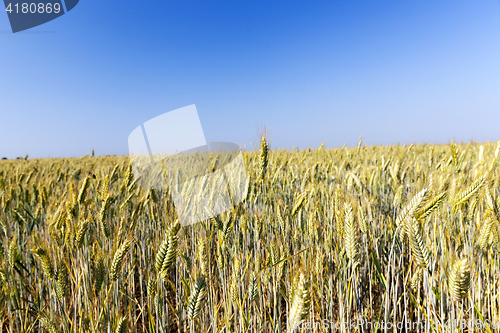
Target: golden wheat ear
point(83, 191)
point(263, 158)
point(121, 326)
point(409, 210)
point(417, 244)
point(470, 191)
point(459, 279)
point(351, 234)
point(416, 279)
point(431, 206)
point(485, 233)
point(300, 303)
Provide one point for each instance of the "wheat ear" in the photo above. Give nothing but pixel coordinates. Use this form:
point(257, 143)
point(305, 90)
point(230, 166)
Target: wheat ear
point(116, 264)
point(196, 299)
point(301, 302)
point(351, 234)
point(459, 279)
point(417, 245)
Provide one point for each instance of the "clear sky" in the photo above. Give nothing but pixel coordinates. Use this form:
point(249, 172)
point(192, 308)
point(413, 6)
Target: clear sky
point(404, 71)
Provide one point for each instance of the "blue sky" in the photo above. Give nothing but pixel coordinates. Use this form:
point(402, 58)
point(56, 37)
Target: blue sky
point(390, 71)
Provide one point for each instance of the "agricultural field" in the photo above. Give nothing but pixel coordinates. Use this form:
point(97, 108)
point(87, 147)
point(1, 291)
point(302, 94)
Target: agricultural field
point(335, 237)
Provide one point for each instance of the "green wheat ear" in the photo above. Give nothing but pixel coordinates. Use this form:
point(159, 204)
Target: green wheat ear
point(99, 273)
point(167, 252)
point(151, 287)
point(196, 299)
point(42, 255)
point(62, 280)
point(253, 288)
point(459, 279)
point(159, 305)
point(82, 229)
point(48, 324)
point(116, 264)
point(13, 254)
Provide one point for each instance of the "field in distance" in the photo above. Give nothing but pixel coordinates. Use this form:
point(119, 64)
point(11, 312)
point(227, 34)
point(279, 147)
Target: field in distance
point(324, 237)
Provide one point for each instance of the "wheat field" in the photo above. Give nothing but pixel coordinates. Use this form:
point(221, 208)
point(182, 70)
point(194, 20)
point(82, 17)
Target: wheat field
point(326, 240)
